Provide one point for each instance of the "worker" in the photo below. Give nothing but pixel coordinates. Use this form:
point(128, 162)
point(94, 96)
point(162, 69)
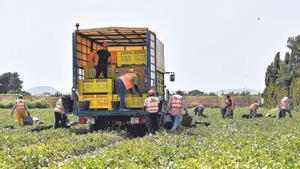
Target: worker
point(104, 59)
point(20, 108)
point(229, 107)
point(127, 82)
point(199, 109)
point(285, 108)
point(253, 109)
point(60, 117)
point(152, 107)
point(175, 106)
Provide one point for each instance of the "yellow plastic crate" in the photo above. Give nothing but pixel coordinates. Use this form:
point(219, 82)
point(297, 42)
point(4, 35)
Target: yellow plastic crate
point(90, 72)
point(135, 101)
point(97, 101)
point(95, 86)
point(134, 57)
point(115, 97)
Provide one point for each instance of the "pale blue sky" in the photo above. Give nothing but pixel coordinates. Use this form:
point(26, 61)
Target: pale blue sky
point(211, 45)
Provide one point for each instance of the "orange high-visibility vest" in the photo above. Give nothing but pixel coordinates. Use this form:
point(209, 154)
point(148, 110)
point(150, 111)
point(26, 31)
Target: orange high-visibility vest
point(59, 107)
point(152, 104)
point(176, 101)
point(20, 105)
point(253, 106)
point(127, 80)
point(284, 106)
point(232, 105)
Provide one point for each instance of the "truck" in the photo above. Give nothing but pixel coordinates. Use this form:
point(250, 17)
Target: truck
point(95, 100)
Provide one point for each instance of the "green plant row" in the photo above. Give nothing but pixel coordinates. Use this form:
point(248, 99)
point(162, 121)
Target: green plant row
point(51, 152)
point(39, 103)
point(230, 143)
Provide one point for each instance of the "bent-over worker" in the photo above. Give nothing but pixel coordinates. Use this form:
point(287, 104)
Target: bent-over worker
point(199, 109)
point(127, 82)
point(253, 109)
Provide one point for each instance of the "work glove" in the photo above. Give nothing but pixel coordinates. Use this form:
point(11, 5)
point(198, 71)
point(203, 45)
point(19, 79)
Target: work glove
point(130, 91)
point(186, 112)
point(140, 94)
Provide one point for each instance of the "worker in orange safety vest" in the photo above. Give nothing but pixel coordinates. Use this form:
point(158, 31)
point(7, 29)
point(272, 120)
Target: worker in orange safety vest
point(285, 108)
point(20, 108)
point(253, 109)
point(127, 82)
point(151, 105)
point(59, 115)
point(175, 106)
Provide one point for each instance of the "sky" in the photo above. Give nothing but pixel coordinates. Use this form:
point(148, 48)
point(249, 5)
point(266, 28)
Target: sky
point(210, 45)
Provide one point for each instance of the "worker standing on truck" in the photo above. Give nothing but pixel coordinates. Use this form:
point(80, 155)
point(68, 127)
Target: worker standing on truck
point(175, 106)
point(104, 59)
point(152, 107)
point(199, 109)
point(253, 109)
point(20, 108)
point(60, 117)
point(127, 82)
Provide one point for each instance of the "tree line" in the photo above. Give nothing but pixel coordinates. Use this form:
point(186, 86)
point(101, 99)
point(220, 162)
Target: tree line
point(282, 77)
point(10, 83)
point(201, 93)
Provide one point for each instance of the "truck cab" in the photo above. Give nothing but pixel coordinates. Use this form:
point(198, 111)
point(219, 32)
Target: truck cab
point(96, 98)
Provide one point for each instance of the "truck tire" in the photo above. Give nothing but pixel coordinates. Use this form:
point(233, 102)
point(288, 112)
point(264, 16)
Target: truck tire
point(137, 130)
point(100, 124)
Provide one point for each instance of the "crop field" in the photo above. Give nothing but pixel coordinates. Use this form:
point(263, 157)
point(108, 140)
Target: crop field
point(230, 143)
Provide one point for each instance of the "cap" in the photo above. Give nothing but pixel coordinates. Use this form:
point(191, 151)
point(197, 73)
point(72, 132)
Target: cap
point(105, 44)
point(151, 92)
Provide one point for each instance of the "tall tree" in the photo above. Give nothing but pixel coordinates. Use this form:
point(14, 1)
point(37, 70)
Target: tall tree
point(10, 83)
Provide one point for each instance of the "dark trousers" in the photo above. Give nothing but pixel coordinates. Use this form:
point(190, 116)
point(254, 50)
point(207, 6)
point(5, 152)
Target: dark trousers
point(283, 112)
point(99, 69)
point(122, 93)
point(60, 120)
point(152, 122)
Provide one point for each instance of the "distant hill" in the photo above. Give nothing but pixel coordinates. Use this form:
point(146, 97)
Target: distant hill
point(252, 91)
point(39, 90)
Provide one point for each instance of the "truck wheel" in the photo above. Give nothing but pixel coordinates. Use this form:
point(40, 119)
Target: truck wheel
point(100, 124)
point(137, 130)
point(92, 128)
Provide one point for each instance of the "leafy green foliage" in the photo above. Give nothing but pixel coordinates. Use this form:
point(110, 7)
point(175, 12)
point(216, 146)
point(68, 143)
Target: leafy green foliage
point(10, 83)
point(282, 77)
point(21, 149)
point(231, 143)
point(38, 103)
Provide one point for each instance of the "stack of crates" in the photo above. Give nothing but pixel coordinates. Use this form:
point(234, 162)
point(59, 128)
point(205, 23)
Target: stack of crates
point(133, 101)
point(100, 92)
point(132, 60)
point(134, 57)
point(97, 91)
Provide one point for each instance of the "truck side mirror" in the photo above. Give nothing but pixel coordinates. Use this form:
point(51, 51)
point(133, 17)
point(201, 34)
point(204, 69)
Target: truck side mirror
point(172, 77)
